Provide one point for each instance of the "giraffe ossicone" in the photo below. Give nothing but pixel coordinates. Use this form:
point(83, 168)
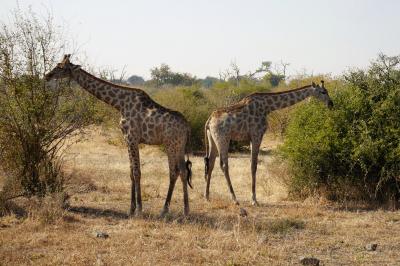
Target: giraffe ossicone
point(142, 121)
point(246, 121)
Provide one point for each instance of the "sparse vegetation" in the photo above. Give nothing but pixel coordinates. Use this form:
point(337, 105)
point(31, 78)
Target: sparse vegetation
point(279, 231)
point(68, 206)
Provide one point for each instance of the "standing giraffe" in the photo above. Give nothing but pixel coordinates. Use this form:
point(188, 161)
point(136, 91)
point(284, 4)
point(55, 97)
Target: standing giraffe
point(246, 121)
point(142, 121)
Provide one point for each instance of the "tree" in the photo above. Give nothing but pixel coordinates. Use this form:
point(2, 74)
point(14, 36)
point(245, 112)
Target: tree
point(135, 80)
point(164, 76)
point(35, 118)
point(208, 82)
point(265, 67)
point(273, 77)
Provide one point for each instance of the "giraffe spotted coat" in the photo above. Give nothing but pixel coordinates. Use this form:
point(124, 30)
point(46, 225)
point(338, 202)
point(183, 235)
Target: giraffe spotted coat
point(246, 121)
point(142, 121)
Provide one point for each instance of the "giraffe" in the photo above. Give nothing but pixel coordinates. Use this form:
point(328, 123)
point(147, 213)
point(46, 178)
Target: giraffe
point(246, 121)
point(142, 121)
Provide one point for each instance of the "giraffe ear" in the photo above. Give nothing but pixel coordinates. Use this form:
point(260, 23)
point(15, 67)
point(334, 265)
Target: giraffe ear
point(66, 58)
point(313, 84)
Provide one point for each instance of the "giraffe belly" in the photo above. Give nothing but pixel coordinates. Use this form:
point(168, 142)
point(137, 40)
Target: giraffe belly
point(240, 136)
point(151, 138)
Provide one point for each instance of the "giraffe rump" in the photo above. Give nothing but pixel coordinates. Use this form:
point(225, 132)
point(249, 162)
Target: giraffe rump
point(206, 159)
point(206, 166)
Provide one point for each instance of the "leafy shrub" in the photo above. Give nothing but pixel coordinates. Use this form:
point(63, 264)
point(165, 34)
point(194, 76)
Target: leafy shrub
point(353, 151)
point(191, 102)
point(35, 119)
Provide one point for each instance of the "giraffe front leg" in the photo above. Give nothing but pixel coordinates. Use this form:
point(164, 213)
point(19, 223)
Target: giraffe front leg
point(133, 187)
point(138, 190)
point(133, 201)
point(133, 153)
point(255, 148)
point(136, 199)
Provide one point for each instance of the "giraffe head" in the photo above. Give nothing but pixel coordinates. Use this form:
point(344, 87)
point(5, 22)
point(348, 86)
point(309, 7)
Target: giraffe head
point(320, 92)
point(63, 69)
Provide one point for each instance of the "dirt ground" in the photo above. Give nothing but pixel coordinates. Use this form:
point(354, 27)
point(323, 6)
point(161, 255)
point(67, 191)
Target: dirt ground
point(278, 232)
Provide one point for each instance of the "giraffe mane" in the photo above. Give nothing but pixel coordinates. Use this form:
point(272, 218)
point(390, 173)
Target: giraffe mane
point(278, 92)
point(111, 83)
point(245, 101)
point(234, 107)
point(142, 92)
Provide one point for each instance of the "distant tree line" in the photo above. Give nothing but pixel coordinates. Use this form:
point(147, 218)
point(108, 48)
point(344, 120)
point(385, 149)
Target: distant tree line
point(164, 77)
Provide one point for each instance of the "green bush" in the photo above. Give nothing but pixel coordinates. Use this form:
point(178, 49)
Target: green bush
point(36, 118)
point(352, 151)
point(192, 103)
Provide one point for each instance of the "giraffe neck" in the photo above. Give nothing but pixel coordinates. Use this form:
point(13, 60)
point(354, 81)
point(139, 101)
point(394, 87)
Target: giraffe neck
point(101, 89)
point(276, 101)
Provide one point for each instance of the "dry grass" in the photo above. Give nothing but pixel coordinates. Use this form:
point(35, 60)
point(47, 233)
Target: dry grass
point(278, 232)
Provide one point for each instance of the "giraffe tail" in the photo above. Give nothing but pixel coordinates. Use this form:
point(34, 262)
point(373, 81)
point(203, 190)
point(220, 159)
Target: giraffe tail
point(189, 173)
point(206, 159)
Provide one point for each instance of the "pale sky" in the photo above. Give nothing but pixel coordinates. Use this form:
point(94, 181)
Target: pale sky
point(204, 37)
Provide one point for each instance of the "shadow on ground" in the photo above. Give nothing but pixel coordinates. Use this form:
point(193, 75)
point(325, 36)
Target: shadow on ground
point(225, 222)
point(98, 213)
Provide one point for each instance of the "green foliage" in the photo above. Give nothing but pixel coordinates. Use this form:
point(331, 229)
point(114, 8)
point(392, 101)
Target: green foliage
point(35, 119)
point(352, 151)
point(274, 79)
point(161, 76)
point(208, 82)
point(192, 103)
point(135, 80)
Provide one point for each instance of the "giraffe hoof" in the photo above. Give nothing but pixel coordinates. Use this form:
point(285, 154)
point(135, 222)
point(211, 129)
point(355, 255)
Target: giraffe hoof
point(163, 213)
point(236, 202)
point(207, 197)
point(255, 203)
point(131, 213)
point(186, 213)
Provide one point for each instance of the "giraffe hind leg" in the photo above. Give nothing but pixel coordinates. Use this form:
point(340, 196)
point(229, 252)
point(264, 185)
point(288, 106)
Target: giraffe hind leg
point(211, 162)
point(212, 158)
point(183, 172)
point(222, 144)
point(173, 176)
point(225, 168)
point(172, 180)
